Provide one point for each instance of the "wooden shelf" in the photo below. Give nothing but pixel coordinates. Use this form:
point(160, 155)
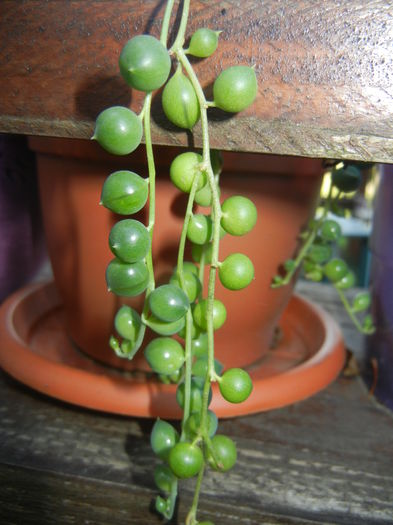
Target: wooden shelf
point(325, 460)
point(324, 71)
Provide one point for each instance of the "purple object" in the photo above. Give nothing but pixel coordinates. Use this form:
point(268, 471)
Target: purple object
point(380, 345)
point(22, 248)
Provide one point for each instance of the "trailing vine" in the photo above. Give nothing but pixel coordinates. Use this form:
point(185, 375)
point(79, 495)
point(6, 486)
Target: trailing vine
point(178, 308)
point(182, 318)
point(317, 253)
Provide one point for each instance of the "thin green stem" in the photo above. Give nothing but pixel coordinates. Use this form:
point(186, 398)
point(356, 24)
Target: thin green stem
point(299, 259)
point(178, 44)
point(183, 236)
point(172, 500)
point(151, 220)
point(216, 211)
point(187, 371)
point(152, 190)
point(351, 314)
point(189, 318)
point(191, 516)
point(307, 244)
point(146, 115)
point(165, 22)
point(201, 273)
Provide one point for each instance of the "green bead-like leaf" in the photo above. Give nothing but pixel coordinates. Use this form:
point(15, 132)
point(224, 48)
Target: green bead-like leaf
point(235, 88)
point(124, 192)
point(164, 355)
point(163, 327)
point(145, 63)
point(129, 240)
point(127, 323)
point(169, 303)
point(127, 279)
point(118, 130)
point(184, 169)
point(179, 101)
point(163, 438)
point(361, 302)
point(203, 42)
point(236, 271)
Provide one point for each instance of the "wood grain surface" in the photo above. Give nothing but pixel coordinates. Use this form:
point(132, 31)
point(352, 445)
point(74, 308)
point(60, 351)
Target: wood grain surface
point(324, 71)
point(325, 460)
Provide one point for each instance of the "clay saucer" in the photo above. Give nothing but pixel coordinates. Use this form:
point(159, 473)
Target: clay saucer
point(35, 349)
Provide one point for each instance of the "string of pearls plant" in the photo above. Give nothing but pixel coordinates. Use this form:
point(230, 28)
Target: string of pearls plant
point(179, 306)
point(317, 255)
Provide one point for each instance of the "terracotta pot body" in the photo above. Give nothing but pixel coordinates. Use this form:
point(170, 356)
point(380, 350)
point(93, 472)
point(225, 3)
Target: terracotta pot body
point(71, 175)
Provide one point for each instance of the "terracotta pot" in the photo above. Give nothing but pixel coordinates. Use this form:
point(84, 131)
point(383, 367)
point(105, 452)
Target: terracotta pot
point(35, 349)
point(71, 174)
